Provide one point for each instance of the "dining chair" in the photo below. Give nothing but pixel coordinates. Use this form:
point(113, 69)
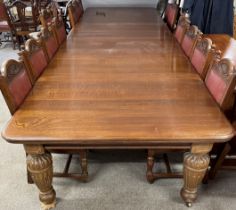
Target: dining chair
point(46, 17)
point(171, 15)
point(49, 41)
point(35, 58)
point(59, 30)
point(182, 27)
point(5, 24)
point(221, 82)
point(47, 14)
point(15, 83)
point(75, 11)
point(202, 56)
point(190, 39)
point(22, 23)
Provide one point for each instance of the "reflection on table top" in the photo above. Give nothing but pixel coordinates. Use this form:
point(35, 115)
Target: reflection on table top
point(120, 78)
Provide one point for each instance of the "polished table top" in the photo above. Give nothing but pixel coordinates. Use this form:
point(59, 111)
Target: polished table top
point(120, 78)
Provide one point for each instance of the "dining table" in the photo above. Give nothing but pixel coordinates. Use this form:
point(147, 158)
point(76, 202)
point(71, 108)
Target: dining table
point(119, 81)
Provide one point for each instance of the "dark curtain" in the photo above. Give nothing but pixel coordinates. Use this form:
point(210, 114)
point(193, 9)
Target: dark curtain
point(222, 17)
point(211, 16)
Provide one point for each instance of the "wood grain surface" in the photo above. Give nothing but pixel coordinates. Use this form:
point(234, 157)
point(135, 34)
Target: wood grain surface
point(119, 79)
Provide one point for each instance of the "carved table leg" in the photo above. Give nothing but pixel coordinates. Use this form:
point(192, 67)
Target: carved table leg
point(41, 170)
point(195, 166)
point(150, 164)
point(29, 178)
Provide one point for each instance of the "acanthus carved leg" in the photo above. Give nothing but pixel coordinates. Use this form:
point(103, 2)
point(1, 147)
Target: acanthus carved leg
point(150, 164)
point(41, 171)
point(195, 167)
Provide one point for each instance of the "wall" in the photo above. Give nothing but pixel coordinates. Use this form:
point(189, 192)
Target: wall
point(122, 3)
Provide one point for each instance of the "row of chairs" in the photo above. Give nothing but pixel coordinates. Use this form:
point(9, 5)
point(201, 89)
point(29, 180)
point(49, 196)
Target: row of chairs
point(218, 74)
point(19, 18)
point(171, 15)
point(15, 20)
point(32, 62)
point(18, 77)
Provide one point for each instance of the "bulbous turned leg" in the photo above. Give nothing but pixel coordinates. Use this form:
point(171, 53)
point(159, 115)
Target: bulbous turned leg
point(195, 166)
point(150, 164)
point(41, 171)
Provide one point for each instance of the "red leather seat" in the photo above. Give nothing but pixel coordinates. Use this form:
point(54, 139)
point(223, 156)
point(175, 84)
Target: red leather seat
point(75, 11)
point(60, 30)
point(49, 40)
point(183, 25)
point(171, 15)
point(4, 26)
point(38, 61)
point(221, 81)
point(35, 57)
point(15, 83)
point(190, 39)
point(202, 56)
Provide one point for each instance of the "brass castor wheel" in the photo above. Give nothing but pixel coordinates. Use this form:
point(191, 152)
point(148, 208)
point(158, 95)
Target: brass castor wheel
point(189, 204)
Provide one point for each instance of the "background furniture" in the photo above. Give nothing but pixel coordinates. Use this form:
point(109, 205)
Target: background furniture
point(6, 26)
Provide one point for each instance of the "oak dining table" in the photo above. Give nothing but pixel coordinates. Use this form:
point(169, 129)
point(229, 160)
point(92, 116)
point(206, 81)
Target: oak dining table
point(119, 81)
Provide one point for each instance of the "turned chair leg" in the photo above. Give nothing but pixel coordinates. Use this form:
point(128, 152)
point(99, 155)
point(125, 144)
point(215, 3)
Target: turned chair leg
point(150, 164)
point(67, 166)
point(83, 176)
point(167, 163)
point(152, 176)
point(219, 160)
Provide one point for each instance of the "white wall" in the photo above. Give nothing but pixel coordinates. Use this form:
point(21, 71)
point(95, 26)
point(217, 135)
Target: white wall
point(122, 3)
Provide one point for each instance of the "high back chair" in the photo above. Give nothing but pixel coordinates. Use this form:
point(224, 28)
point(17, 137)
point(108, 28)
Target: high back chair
point(5, 23)
point(47, 14)
point(15, 83)
point(75, 11)
point(59, 30)
point(221, 81)
point(49, 41)
point(46, 17)
point(35, 58)
point(171, 14)
point(202, 56)
point(22, 23)
point(182, 26)
point(190, 39)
